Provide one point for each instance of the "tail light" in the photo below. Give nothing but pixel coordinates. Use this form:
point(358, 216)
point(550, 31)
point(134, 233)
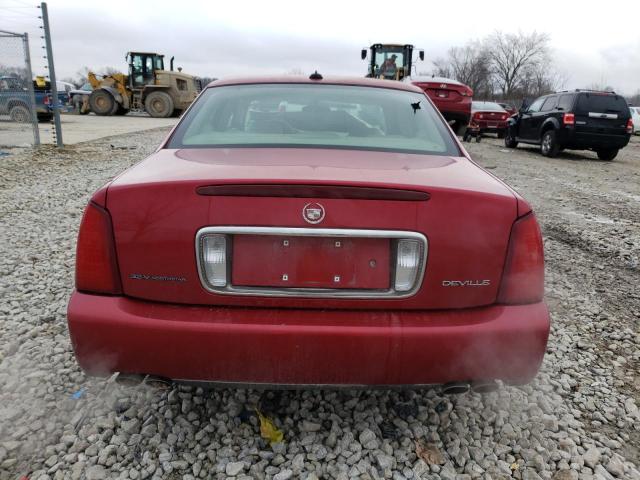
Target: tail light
point(568, 119)
point(630, 126)
point(523, 276)
point(407, 264)
point(96, 262)
point(47, 100)
point(466, 92)
point(214, 257)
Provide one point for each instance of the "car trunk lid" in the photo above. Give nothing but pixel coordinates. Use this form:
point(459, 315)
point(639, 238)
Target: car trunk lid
point(603, 113)
point(159, 206)
point(444, 91)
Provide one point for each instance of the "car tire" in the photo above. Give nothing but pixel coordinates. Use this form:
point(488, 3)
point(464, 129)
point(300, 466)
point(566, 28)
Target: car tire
point(20, 114)
point(159, 104)
point(608, 154)
point(549, 144)
point(120, 110)
point(102, 103)
point(509, 140)
point(459, 128)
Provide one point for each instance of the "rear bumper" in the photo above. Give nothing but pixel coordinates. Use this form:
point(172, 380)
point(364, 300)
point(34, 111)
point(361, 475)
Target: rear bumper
point(462, 116)
point(570, 138)
point(307, 347)
point(488, 126)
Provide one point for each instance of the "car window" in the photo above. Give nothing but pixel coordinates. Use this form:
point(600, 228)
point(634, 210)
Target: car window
point(385, 64)
point(549, 104)
point(487, 107)
point(601, 103)
point(565, 102)
point(535, 106)
point(326, 116)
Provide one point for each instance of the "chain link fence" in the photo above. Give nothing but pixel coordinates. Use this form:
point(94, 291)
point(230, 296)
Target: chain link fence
point(20, 104)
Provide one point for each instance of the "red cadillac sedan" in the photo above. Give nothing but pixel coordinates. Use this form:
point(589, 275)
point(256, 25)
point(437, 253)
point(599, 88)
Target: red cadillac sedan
point(489, 117)
point(310, 232)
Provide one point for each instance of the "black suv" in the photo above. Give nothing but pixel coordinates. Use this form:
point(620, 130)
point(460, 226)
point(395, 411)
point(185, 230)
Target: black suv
point(579, 120)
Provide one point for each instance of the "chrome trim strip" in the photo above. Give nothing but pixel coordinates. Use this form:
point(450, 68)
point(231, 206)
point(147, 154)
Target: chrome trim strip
point(611, 116)
point(310, 232)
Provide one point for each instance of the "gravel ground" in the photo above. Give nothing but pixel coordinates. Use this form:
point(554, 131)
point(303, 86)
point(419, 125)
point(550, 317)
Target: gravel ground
point(578, 420)
point(78, 128)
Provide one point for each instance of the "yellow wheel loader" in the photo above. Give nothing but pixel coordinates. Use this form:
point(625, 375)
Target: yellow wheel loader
point(147, 87)
point(390, 61)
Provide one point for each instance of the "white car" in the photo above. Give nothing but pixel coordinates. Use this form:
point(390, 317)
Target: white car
point(635, 118)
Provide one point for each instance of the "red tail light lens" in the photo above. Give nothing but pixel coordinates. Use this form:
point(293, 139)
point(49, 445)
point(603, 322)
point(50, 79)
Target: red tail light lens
point(630, 126)
point(523, 276)
point(96, 263)
point(569, 119)
point(47, 100)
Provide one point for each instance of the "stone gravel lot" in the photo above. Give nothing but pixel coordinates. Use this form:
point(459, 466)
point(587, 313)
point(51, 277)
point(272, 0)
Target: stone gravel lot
point(578, 420)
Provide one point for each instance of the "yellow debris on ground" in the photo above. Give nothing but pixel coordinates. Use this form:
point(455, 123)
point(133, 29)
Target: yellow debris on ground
point(268, 430)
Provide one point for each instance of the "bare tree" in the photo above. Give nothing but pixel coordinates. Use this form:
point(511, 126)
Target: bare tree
point(635, 98)
point(540, 80)
point(470, 65)
point(442, 68)
point(602, 86)
point(109, 70)
point(514, 56)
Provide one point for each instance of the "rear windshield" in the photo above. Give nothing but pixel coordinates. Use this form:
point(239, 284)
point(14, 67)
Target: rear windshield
point(486, 107)
point(601, 103)
point(324, 116)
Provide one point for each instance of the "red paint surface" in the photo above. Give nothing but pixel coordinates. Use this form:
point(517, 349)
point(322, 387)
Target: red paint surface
point(305, 346)
point(490, 120)
point(448, 97)
point(310, 262)
point(156, 213)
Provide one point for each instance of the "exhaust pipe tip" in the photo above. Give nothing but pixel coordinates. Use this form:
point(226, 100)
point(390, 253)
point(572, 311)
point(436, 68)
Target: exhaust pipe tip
point(135, 379)
point(484, 386)
point(455, 388)
point(129, 379)
point(159, 383)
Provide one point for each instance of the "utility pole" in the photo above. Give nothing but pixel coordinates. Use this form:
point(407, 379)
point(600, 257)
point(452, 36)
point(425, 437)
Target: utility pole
point(52, 74)
point(34, 115)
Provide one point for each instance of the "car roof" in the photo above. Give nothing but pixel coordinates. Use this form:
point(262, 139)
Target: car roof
point(332, 80)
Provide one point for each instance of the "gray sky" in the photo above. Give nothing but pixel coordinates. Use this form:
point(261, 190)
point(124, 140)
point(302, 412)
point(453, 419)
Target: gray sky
point(218, 39)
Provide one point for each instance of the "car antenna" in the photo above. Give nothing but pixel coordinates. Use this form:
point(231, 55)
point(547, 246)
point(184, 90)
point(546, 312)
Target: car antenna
point(315, 76)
